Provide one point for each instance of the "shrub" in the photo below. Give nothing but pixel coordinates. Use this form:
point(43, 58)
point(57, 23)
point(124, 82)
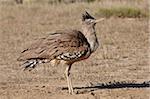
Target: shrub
point(129, 12)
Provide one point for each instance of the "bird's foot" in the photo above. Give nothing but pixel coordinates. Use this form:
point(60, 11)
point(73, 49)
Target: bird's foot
point(71, 92)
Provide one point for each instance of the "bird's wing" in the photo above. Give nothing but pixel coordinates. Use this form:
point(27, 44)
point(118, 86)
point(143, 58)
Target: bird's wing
point(64, 45)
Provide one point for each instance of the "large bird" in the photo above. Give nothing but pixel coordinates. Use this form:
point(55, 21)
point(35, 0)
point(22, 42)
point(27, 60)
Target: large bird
point(67, 46)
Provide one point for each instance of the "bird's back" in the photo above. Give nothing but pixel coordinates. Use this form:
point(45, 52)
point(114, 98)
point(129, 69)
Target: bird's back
point(67, 45)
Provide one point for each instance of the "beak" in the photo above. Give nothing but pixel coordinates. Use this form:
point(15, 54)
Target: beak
point(99, 20)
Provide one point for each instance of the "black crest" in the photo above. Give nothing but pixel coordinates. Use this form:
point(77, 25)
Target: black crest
point(86, 15)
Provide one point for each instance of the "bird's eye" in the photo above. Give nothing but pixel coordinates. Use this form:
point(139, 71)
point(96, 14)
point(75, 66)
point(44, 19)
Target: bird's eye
point(91, 21)
point(88, 21)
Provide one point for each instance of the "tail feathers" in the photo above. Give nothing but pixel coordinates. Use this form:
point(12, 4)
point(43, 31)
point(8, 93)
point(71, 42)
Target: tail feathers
point(30, 64)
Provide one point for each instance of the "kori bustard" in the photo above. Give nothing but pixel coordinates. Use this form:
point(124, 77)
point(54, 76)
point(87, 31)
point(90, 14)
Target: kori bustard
point(67, 46)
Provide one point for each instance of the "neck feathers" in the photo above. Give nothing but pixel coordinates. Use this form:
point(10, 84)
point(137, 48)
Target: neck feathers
point(90, 34)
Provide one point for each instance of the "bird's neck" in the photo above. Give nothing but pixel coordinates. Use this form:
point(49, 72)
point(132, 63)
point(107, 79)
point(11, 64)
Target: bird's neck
point(90, 34)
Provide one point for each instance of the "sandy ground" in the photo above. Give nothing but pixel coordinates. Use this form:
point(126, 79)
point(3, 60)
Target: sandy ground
point(119, 69)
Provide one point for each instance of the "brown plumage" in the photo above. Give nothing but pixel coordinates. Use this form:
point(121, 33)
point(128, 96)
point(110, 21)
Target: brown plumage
point(57, 46)
point(68, 46)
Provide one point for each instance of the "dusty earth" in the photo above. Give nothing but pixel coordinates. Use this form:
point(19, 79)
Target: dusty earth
point(119, 69)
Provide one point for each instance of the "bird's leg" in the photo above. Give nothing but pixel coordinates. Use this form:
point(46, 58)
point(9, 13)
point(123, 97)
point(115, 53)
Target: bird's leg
point(67, 72)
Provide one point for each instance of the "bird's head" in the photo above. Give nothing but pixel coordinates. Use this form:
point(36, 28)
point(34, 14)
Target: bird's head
point(89, 20)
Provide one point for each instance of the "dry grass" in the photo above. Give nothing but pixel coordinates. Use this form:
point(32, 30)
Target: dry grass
point(123, 55)
point(122, 12)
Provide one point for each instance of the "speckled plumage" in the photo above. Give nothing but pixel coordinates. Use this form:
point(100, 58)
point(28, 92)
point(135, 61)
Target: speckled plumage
point(68, 46)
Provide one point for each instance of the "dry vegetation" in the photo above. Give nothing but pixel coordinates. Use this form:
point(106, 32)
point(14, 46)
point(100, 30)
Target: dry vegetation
point(123, 55)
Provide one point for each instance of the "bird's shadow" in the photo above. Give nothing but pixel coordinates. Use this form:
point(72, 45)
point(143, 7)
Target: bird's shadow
point(110, 85)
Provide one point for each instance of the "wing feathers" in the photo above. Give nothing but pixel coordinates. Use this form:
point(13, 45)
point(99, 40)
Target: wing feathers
point(64, 45)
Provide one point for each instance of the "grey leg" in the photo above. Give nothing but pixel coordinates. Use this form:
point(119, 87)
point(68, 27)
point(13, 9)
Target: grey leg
point(67, 72)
